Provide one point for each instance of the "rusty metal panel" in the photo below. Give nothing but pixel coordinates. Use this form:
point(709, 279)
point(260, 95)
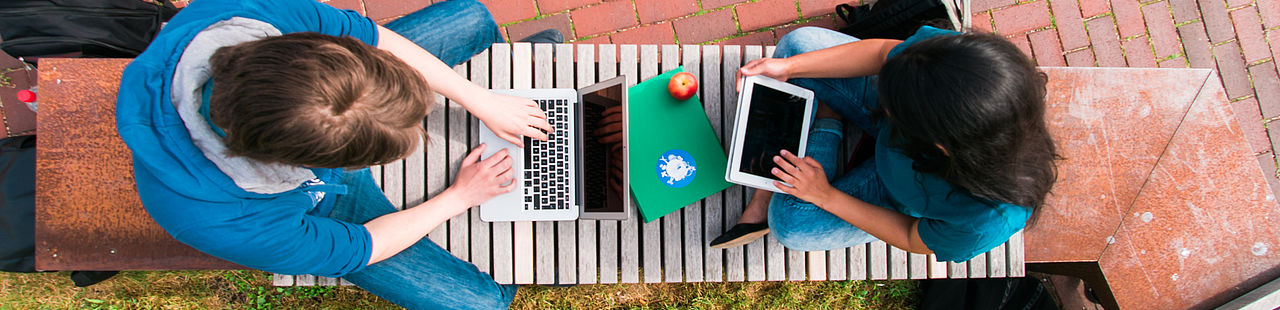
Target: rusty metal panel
point(88, 214)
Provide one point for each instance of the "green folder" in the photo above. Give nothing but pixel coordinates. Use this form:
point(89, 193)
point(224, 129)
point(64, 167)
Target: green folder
point(675, 158)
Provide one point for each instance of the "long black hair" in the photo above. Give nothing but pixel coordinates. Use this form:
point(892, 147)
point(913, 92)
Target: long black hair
point(983, 101)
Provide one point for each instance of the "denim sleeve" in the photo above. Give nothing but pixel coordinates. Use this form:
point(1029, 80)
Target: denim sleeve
point(309, 15)
point(960, 238)
point(283, 240)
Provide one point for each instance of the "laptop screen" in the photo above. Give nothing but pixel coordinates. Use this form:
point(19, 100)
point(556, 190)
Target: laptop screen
point(602, 150)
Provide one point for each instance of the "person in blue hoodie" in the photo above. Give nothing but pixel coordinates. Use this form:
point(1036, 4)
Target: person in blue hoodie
point(251, 124)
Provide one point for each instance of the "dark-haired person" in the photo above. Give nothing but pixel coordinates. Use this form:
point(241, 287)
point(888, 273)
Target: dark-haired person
point(962, 155)
point(251, 123)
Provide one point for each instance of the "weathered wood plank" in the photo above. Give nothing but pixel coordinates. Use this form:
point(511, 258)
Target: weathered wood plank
point(1017, 265)
point(713, 206)
point(651, 231)
point(304, 280)
point(734, 258)
point(694, 243)
point(523, 232)
point(858, 266)
point(544, 245)
point(426, 170)
point(628, 65)
point(281, 279)
point(503, 245)
point(878, 260)
point(393, 183)
point(837, 265)
point(326, 281)
point(376, 172)
point(457, 148)
point(756, 261)
point(817, 264)
point(978, 266)
point(608, 228)
point(937, 269)
point(344, 282)
point(957, 270)
point(918, 266)
point(576, 240)
point(673, 249)
point(481, 247)
point(897, 263)
point(997, 260)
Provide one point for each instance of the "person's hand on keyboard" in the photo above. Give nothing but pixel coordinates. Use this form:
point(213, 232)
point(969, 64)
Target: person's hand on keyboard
point(512, 117)
point(479, 180)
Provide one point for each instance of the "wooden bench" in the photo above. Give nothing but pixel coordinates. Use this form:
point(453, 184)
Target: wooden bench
point(80, 151)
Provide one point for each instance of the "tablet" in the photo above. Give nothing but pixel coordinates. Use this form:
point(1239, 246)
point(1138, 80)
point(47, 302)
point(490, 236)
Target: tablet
point(772, 116)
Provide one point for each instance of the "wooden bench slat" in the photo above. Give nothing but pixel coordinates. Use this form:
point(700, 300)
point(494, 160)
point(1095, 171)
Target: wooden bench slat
point(629, 65)
point(734, 258)
point(957, 270)
point(281, 279)
point(918, 266)
point(878, 259)
point(652, 230)
point(523, 232)
point(978, 266)
point(304, 280)
point(544, 245)
point(1017, 266)
point(481, 247)
point(695, 243)
point(858, 262)
point(459, 143)
point(756, 261)
point(996, 260)
point(583, 232)
point(937, 269)
point(376, 173)
point(713, 217)
point(419, 180)
point(672, 232)
point(503, 245)
point(897, 263)
point(326, 281)
point(608, 265)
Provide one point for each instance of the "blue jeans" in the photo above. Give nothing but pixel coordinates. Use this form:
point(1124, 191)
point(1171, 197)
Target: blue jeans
point(798, 224)
point(453, 30)
point(425, 276)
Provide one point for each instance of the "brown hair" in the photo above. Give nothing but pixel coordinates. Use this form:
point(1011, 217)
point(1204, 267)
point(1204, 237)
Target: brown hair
point(317, 100)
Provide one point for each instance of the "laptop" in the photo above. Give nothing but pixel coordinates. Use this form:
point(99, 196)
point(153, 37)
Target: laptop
point(572, 175)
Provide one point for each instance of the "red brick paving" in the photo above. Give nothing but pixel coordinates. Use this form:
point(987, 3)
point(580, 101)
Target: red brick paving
point(1106, 43)
point(765, 13)
point(706, 27)
point(1022, 43)
point(660, 33)
point(559, 22)
point(1022, 18)
point(604, 18)
point(1239, 38)
point(1047, 49)
point(659, 10)
point(1160, 26)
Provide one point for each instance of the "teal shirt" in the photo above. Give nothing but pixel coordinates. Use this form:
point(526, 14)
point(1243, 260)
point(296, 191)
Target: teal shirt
point(955, 225)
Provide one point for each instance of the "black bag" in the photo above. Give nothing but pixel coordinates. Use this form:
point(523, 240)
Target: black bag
point(1025, 293)
point(80, 28)
point(892, 19)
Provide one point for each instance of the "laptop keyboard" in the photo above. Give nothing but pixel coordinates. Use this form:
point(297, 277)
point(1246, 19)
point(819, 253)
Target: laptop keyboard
point(547, 166)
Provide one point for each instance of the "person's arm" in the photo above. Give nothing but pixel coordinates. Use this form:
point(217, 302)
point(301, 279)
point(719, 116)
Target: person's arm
point(477, 181)
point(853, 59)
point(808, 182)
point(509, 117)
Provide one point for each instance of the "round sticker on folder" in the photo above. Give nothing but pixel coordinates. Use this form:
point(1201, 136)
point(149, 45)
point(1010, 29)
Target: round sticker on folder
point(677, 168)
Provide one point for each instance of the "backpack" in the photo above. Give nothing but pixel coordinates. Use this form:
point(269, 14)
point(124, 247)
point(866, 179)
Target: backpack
point(81, 28)
point(894, 19)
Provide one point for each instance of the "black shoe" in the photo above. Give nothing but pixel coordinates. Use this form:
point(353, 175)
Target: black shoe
point(740, 234)
point(545, 36)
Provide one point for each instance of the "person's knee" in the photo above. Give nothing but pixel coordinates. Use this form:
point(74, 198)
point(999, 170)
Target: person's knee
point(799, 41)
point(481, 20)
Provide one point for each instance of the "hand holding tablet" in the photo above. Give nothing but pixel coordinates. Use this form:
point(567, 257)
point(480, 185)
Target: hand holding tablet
point(772, 116)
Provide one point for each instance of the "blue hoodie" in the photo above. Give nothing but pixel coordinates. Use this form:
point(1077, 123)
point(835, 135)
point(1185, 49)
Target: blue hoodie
point(196, 202)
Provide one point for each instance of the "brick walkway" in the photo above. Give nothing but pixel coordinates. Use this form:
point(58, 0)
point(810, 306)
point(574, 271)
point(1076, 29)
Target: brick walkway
point(1229, 35)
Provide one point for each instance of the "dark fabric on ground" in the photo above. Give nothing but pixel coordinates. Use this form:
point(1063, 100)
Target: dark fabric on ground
point(1008, 293)
point(17, 204)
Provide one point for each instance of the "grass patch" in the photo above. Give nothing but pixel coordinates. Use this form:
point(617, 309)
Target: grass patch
point(252, 290)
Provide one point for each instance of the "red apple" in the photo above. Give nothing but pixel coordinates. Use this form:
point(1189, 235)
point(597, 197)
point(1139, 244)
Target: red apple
point(682, 86)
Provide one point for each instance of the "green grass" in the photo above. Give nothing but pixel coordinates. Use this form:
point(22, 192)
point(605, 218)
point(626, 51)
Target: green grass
point(253, 290)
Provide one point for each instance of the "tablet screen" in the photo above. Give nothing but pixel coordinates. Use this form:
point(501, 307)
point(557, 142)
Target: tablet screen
point(774, 123)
